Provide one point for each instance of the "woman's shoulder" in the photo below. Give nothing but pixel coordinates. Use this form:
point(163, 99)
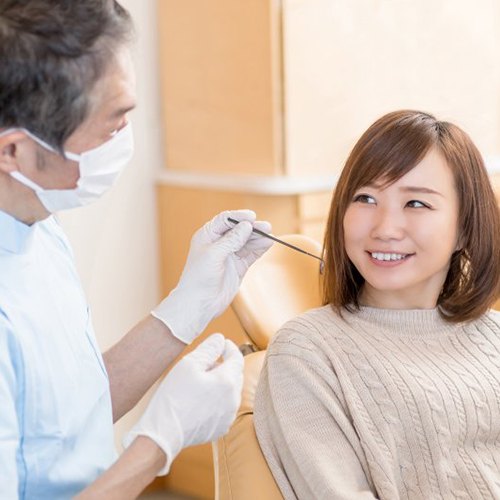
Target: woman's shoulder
point(311, 320)
point(309, 330)
point(493, 317)
point(487, 325)
point(494, 313)
point(318, 315)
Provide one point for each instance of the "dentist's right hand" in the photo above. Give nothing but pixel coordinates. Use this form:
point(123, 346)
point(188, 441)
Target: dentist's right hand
point(219, 256)
point(196, 402)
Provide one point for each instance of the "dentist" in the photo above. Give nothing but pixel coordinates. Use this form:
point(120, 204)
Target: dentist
point(66, 88)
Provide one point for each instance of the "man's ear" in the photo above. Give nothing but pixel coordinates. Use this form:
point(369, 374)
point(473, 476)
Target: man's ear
point(10, 145)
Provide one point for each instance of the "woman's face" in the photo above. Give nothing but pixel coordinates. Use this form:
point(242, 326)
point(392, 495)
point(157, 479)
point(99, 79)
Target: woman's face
point(401, 237)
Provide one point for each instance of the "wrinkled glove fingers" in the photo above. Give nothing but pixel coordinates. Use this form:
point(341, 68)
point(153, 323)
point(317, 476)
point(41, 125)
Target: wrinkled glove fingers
point(257, 240)
point(233, 361)
point(220, 224)
point(261, 225)
point(257, 245)
point(249, 255)
point(236, 239)
point(232, 354)
point(209, 351)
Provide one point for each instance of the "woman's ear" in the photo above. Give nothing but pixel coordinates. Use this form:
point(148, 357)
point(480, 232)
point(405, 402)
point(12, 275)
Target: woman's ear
point(10, 143)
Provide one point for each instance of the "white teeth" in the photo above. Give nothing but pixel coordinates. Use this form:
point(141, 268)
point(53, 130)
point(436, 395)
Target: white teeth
point(388, 256)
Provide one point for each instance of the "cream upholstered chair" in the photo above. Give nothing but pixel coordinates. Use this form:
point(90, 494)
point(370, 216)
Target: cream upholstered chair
point(280, 285)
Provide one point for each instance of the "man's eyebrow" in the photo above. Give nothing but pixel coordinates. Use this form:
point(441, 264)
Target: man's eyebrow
point(122, 111)
point(419, 189)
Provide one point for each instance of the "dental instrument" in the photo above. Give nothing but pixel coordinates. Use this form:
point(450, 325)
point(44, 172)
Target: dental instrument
point(289, 245)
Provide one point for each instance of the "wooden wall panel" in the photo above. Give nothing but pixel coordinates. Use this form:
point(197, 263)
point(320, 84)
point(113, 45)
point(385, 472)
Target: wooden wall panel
point(221, 85)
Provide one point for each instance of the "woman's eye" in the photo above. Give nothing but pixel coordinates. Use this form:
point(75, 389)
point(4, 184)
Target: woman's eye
point(363, 198)
point(417, 204)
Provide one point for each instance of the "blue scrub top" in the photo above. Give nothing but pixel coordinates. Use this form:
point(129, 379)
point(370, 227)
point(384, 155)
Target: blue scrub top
point(56, 430)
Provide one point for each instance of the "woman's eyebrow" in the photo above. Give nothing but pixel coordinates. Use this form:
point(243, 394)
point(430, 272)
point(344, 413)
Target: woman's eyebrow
point(419, 189)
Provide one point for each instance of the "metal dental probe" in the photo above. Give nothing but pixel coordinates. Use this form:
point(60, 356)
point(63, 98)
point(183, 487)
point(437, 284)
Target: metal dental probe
point(271, 237)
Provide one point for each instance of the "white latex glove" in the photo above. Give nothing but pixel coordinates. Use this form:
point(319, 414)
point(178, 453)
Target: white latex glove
point(196, 402)
point(219, 256)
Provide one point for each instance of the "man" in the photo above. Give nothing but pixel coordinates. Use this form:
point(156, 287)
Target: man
point(66, 88)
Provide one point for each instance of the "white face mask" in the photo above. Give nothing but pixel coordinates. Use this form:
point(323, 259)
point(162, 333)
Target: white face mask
point(99, 168)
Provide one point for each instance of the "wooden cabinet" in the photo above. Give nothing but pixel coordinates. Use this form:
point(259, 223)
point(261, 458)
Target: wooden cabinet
point(221, 78)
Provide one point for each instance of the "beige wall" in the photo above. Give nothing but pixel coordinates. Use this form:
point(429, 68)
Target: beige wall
point(348, 62)
point(115, 240)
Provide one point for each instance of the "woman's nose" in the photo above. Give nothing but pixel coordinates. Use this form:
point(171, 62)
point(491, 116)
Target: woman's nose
point(388, 225)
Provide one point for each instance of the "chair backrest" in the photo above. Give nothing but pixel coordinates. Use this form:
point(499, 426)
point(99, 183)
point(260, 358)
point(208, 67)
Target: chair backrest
point(241, 471)
point(279, 286)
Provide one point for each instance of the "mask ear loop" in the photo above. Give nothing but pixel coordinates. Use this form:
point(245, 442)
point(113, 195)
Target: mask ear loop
point(24, 180)
point(21, 177)
point(73, 156)
point(38, 140)
point(67, 154)
point(15, 173)
point(5, 132)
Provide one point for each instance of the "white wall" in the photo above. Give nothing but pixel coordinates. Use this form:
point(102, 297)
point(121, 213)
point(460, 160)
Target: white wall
point(115, 240)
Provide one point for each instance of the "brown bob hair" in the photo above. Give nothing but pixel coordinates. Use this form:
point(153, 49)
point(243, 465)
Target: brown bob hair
point(389, 149)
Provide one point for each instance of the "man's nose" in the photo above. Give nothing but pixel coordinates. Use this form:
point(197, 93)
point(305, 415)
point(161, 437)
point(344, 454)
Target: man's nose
point(388, 224)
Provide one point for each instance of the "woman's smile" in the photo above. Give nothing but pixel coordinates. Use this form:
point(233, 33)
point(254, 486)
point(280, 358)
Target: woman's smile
point(388, 259)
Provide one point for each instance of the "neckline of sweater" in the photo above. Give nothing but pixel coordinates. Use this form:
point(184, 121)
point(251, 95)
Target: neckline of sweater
point(406, 322)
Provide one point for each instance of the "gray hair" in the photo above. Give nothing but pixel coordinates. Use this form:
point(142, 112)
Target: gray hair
point(52, 52)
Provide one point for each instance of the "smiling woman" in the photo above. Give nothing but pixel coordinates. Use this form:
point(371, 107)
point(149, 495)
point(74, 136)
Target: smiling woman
point(415, 186)
point(392, 389)
point(400, 237)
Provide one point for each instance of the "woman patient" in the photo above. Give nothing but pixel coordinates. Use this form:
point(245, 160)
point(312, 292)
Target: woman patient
point(392, 389)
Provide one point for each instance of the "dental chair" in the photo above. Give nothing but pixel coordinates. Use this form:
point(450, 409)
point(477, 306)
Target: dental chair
point(279, 286)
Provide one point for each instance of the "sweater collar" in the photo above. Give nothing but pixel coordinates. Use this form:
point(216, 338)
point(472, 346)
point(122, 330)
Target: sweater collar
point(406, 322)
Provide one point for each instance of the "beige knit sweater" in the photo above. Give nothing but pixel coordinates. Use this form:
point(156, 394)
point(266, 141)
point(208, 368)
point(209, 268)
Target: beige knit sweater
point(382, 404)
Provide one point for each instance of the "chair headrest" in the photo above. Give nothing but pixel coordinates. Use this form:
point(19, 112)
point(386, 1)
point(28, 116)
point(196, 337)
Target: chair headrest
point(280, 285)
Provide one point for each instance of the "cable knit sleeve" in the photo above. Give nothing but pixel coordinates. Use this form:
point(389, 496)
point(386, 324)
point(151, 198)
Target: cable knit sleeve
point(303, 426)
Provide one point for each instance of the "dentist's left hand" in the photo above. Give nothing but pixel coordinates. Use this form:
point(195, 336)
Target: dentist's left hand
point(219, 257)
point(196, 402)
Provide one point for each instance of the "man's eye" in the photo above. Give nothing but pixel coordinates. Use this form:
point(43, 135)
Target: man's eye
point(417, 204)
point(122, 124)
point(363, 198)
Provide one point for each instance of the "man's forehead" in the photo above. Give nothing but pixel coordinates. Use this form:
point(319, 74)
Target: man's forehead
point(114, 93)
